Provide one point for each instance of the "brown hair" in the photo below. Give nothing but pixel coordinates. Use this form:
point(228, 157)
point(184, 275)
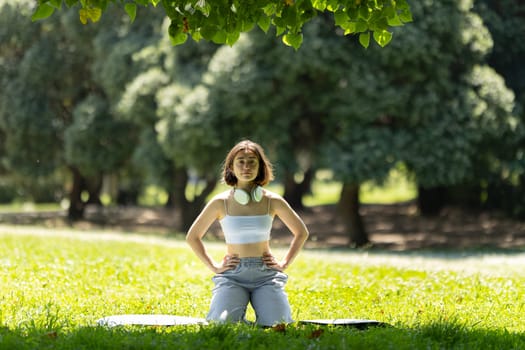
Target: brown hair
point(265, 174)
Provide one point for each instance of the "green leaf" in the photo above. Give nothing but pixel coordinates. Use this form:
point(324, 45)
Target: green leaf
point(406, 16)
point(364, 12)
point(90, 13)
point(176, 35)
point(178, 38)
point(389, 12)
point(382, 37)
point(264, 23)
point(332, 5)
point(220, 37)
point(364, 39)
point(394, 21)
point(350, 28)
point(361, 26)
point(279, 22)
point(319, 4)
point(378, 24)
point(404, 11)
point(353, 14)
point(293, 39)
point(131, 10)
point(246, 26)
point(208, 32)
point(42, 11)
point(56, 4)
point(270, 9)
point(289, 16)
point(340, 18)
point(196, 36)
point(232, 38)
point(204, 7)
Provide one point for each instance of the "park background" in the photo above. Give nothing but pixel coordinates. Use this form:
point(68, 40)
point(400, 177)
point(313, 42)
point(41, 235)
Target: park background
point(419, 144)
point(112, 114)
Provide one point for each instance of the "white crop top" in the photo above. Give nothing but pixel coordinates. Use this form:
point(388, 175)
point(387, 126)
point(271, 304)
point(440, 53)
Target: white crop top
point(241, 229)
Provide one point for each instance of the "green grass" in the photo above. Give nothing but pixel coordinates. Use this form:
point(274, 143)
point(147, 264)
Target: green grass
point(55, 284)
point(28, 207)
point(397, 188)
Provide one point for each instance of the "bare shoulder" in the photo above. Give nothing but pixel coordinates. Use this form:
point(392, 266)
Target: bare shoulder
point(277, 201)
point(221, 196)
point(272, 195)
point(216, 203)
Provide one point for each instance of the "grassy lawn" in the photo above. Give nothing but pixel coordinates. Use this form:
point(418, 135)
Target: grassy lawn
point(397, 188)
point(55, 284)
point(28, 207)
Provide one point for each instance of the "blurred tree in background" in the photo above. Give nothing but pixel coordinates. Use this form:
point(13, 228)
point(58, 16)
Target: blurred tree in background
point(429, 101)
point(55, 114)
point(170, 148)
point(504, 184)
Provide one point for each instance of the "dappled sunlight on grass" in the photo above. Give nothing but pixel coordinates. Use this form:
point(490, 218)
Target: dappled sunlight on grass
point(59, 282)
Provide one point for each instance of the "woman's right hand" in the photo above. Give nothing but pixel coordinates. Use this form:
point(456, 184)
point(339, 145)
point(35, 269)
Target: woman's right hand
point(229, 262)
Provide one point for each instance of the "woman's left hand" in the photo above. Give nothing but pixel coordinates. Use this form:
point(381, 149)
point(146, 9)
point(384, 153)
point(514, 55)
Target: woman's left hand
point(270, 261)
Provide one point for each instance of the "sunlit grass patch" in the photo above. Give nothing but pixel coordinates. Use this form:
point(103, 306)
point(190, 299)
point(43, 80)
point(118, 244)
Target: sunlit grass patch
point(57, 284)
point(396, 188)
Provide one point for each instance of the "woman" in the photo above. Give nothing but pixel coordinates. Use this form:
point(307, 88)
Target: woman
point(249, 272)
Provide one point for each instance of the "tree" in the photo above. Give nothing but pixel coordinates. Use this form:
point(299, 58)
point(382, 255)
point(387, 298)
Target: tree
point(96, 143)
point(222, 21)
point(128, 81)
point(54, 114)
point(171, 142)
point(125, 54)
point(504, 181)
point(438, 117)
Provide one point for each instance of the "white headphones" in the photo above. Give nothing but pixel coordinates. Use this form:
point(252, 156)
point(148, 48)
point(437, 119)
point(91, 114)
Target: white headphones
point(242, 197)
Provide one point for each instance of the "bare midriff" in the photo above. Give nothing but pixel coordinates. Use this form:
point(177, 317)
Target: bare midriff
point(249, 250)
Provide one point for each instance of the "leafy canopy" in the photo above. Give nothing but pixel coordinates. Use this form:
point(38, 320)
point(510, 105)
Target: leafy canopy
point(222, 21)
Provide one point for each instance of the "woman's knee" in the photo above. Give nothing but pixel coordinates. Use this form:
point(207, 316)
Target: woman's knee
point(271, 306)
point(226, 314)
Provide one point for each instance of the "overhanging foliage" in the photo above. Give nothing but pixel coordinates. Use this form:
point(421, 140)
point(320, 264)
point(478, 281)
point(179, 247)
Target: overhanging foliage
point(222, 21)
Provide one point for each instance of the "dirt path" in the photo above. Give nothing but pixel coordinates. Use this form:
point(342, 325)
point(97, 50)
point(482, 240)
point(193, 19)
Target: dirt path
point(390, 227)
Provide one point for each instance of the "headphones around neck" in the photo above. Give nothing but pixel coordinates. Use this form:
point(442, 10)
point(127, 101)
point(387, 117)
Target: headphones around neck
point(242, 197)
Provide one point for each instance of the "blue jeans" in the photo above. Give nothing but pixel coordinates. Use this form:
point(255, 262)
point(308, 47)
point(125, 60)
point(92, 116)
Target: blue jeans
point(250, 282)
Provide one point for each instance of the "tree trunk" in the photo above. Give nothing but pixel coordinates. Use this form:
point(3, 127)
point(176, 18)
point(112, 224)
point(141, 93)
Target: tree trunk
point(294, 192)
point(431, 200)
point(94, 188)
point(193, 208)
point(178, 197)
point(348, 208)
point(186, 211)
point(76, 205)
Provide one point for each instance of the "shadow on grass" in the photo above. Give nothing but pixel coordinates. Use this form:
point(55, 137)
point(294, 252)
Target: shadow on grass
point(440, 335)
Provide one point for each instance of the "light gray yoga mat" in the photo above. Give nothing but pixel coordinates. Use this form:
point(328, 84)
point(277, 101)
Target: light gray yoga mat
point(149, 320)
point(173, 320)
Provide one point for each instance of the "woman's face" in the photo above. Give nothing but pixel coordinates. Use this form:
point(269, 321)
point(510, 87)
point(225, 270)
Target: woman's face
point(245, 166)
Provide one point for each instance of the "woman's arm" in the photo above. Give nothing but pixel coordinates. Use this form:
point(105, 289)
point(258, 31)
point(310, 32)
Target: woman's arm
point(198, 229)
point(295, 224)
